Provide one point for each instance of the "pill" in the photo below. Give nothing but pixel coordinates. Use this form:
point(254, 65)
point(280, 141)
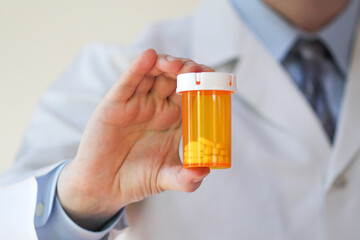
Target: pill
point(221, 145)
point(194, 146)
point(193, 154)
point(205, 151)
point(206, 142)
point(207, 159)
point(208, 150)
point(222, 152)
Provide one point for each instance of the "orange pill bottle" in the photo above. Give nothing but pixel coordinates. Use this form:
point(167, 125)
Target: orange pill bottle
point(206, 118)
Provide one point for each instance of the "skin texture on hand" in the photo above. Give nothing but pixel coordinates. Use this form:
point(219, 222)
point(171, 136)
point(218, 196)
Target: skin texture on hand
point(129, 149)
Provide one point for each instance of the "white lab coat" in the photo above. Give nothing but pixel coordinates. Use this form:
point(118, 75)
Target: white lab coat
point(286, 181)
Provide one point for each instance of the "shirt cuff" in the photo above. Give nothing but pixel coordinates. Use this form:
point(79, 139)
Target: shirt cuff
point(52, 222)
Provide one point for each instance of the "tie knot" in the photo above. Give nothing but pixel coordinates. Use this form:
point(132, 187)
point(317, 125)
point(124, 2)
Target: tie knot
point(310, 50)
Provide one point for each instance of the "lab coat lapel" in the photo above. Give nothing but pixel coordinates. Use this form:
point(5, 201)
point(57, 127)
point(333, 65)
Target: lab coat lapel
point(264, 84)
point(261, 81)
point(347, 139)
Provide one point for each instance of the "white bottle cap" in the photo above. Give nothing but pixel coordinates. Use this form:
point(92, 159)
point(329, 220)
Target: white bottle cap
point(206, 81)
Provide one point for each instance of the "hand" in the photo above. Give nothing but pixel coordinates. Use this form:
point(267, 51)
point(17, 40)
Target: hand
point(129, 149)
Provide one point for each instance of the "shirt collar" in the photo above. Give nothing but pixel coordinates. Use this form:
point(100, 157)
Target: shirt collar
point(339, 34)
point(280, 37)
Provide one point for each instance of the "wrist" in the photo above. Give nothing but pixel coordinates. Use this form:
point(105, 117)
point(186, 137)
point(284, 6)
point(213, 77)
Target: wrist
point(85, 209)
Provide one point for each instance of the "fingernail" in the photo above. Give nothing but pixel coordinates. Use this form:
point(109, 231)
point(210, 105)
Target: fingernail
point(170, 58)
point(190, 63)
point(206, 67)
point(197, 180)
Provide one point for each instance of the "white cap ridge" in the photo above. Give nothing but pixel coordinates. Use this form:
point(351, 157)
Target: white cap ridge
point(206, 81)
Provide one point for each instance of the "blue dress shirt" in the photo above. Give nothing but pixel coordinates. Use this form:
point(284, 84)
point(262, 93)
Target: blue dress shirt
point(54, 223)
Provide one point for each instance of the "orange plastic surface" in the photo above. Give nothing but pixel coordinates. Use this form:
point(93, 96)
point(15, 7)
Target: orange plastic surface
point(206, 129)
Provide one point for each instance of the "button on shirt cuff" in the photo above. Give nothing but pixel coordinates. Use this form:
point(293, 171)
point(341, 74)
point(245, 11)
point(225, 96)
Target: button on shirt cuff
point(52, 222)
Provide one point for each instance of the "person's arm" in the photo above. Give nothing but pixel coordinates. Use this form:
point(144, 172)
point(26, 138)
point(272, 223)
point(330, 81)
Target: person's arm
point(117, 162)
point(129, 149)
point(51, 221)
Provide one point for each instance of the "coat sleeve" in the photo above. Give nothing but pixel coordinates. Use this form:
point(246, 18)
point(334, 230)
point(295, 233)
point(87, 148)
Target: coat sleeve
point(17, 207)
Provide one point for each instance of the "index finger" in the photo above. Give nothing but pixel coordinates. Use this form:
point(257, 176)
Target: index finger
point(172, 66)
point(125, 87)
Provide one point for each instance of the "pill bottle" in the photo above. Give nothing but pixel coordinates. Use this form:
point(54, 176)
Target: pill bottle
point(206, 118)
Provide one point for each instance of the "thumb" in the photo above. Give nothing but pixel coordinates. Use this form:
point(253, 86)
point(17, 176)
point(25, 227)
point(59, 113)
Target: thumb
point(176, 177)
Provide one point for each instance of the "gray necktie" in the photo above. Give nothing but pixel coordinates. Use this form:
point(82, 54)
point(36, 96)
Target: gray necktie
point(312, 68)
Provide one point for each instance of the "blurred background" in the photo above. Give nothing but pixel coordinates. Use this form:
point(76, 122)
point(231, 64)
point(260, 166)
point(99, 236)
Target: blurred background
point(40, 38)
